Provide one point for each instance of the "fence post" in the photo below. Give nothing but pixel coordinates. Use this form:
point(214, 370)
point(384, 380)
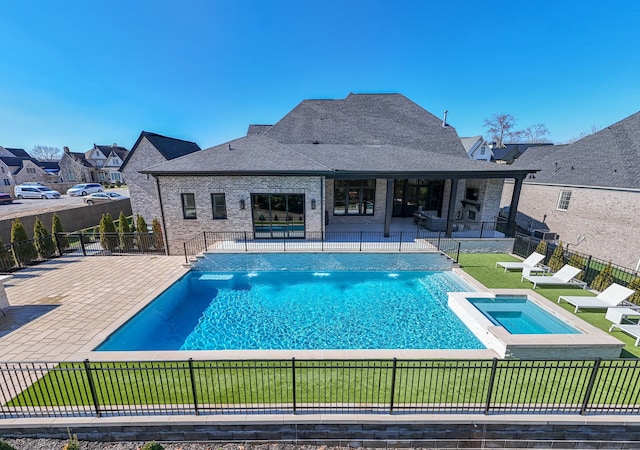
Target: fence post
point(492, 377)
point(529, 241)
point(246, 248)
point(193, 386)
point(393, 385)
point(92, 387)
point(57, 239)
point(293, 378)
point(204, 234)
point(481, 228)
point(322, 241)
point(360, 240)
point(438, 246)
point(84, 251)
point(458, 254)
point(592, 381)
point(400, 246)
point(186, 258)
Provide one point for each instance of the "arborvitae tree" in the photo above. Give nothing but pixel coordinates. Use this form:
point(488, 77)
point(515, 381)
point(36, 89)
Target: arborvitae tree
point(557, 259)
point(635, 285)
point(108, 237)
point(158, 240)
point(6, 257)
point(542, 248)
point(42, 240)
point(56, 227)
point(124, 233)
point(604, 279)
point(142, 234)
point(23, 249)
point(578, 261)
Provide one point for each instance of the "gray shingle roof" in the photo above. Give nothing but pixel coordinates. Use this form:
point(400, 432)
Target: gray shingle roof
point(608, 158)
point(362, 134)
point(258, 129)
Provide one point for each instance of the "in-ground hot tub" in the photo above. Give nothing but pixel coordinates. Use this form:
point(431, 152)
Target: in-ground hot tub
point(522, 324)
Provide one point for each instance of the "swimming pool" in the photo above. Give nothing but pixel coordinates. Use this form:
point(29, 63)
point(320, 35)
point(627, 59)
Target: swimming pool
point(292, 309)
point(519, 315)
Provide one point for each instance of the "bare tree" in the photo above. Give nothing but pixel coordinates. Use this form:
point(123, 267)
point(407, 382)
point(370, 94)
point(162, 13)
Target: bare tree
point(46, 153)
point(500, 127)
point(535, 133)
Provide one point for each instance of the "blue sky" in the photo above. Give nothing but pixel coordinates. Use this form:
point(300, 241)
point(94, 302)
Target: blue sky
point(78, 72)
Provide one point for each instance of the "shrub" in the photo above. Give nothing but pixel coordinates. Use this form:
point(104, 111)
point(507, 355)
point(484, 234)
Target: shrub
point(5, 446)
point(604, 279)
point(108, 238)
point(542, 248)
point(42, 240)
point(56, 228)
point(152, 446)
point(23, 249)
point(557, 258)
point(635, 285)
point(72, 442)
point(578, 261)
point(158, 240)
point(118, 183)
point(6, 258)
point(124, 233)
point(142, 234)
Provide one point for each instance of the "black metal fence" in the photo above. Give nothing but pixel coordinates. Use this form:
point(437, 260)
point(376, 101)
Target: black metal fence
point(524, 245)
point(358, 241)
point(319, 386)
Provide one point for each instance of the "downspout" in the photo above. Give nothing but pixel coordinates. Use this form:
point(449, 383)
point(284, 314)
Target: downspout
point(322, 211)
point(164, 228)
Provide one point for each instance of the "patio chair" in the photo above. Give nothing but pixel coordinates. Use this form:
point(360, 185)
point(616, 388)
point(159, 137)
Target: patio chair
point(633, 330)
point(609, 298)
point(563, 277)
point(532, 261)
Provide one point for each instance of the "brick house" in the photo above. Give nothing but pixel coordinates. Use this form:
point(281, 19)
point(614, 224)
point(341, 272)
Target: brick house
point(17, 166)
point(100, 164)
point(588, 192)
point(150, 149)
point(359, 160)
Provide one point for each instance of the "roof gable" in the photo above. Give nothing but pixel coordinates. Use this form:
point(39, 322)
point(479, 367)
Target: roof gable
point(170, 148)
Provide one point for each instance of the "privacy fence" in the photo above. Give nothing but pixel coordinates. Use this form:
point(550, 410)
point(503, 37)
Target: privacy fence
point(326, 386)
point(524, 245)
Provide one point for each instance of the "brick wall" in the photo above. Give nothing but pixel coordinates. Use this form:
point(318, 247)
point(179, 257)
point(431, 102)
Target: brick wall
point(142, 188)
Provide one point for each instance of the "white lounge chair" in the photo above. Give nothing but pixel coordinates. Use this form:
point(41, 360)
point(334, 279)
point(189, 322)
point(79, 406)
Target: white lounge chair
point(562, 277)
point(609, 298)
point(532, 261)
point(633, 330)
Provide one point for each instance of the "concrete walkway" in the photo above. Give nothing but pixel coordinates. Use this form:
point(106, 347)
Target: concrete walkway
point(60, 306)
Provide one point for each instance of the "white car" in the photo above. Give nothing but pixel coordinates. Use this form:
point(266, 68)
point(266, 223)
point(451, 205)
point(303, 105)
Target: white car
point(22, 191)
point(84, 189)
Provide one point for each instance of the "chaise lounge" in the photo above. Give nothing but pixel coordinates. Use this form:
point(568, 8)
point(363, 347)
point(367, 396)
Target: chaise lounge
point(633, 330)
point(563, 277)
point(532, 261)
point(609, 298)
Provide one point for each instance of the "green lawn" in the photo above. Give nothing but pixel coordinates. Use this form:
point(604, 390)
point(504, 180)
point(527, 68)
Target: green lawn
point(482, 268)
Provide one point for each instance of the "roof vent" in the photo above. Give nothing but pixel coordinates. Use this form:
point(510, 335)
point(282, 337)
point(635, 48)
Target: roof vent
point(229, 146)
point(444, 120)
point(315, 142)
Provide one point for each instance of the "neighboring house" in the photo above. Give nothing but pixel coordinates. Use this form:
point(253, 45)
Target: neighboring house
point(477, 148)
point(150, 149)
point(16, 167)
point(101, 164)
point(508, 153)
point(359, 160)
point(588, 192)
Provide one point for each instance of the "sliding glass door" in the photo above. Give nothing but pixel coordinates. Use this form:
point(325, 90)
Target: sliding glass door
point(278, 215)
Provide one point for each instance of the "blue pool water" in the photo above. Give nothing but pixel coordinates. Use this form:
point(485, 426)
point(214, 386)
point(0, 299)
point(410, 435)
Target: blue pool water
point(300, 310)
point(519, 315)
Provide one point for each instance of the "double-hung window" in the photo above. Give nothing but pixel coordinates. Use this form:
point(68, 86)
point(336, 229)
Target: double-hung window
point(189, 206)
point(563, 201)
point(218, 206)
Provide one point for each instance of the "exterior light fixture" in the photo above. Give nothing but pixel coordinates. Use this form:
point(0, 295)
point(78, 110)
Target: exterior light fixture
point(242, 204)
point(313, 203)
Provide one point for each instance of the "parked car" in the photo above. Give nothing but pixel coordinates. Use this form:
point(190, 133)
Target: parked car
point(44, 192)
point(5, 198)
point(103, 197)
point(84, 189)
